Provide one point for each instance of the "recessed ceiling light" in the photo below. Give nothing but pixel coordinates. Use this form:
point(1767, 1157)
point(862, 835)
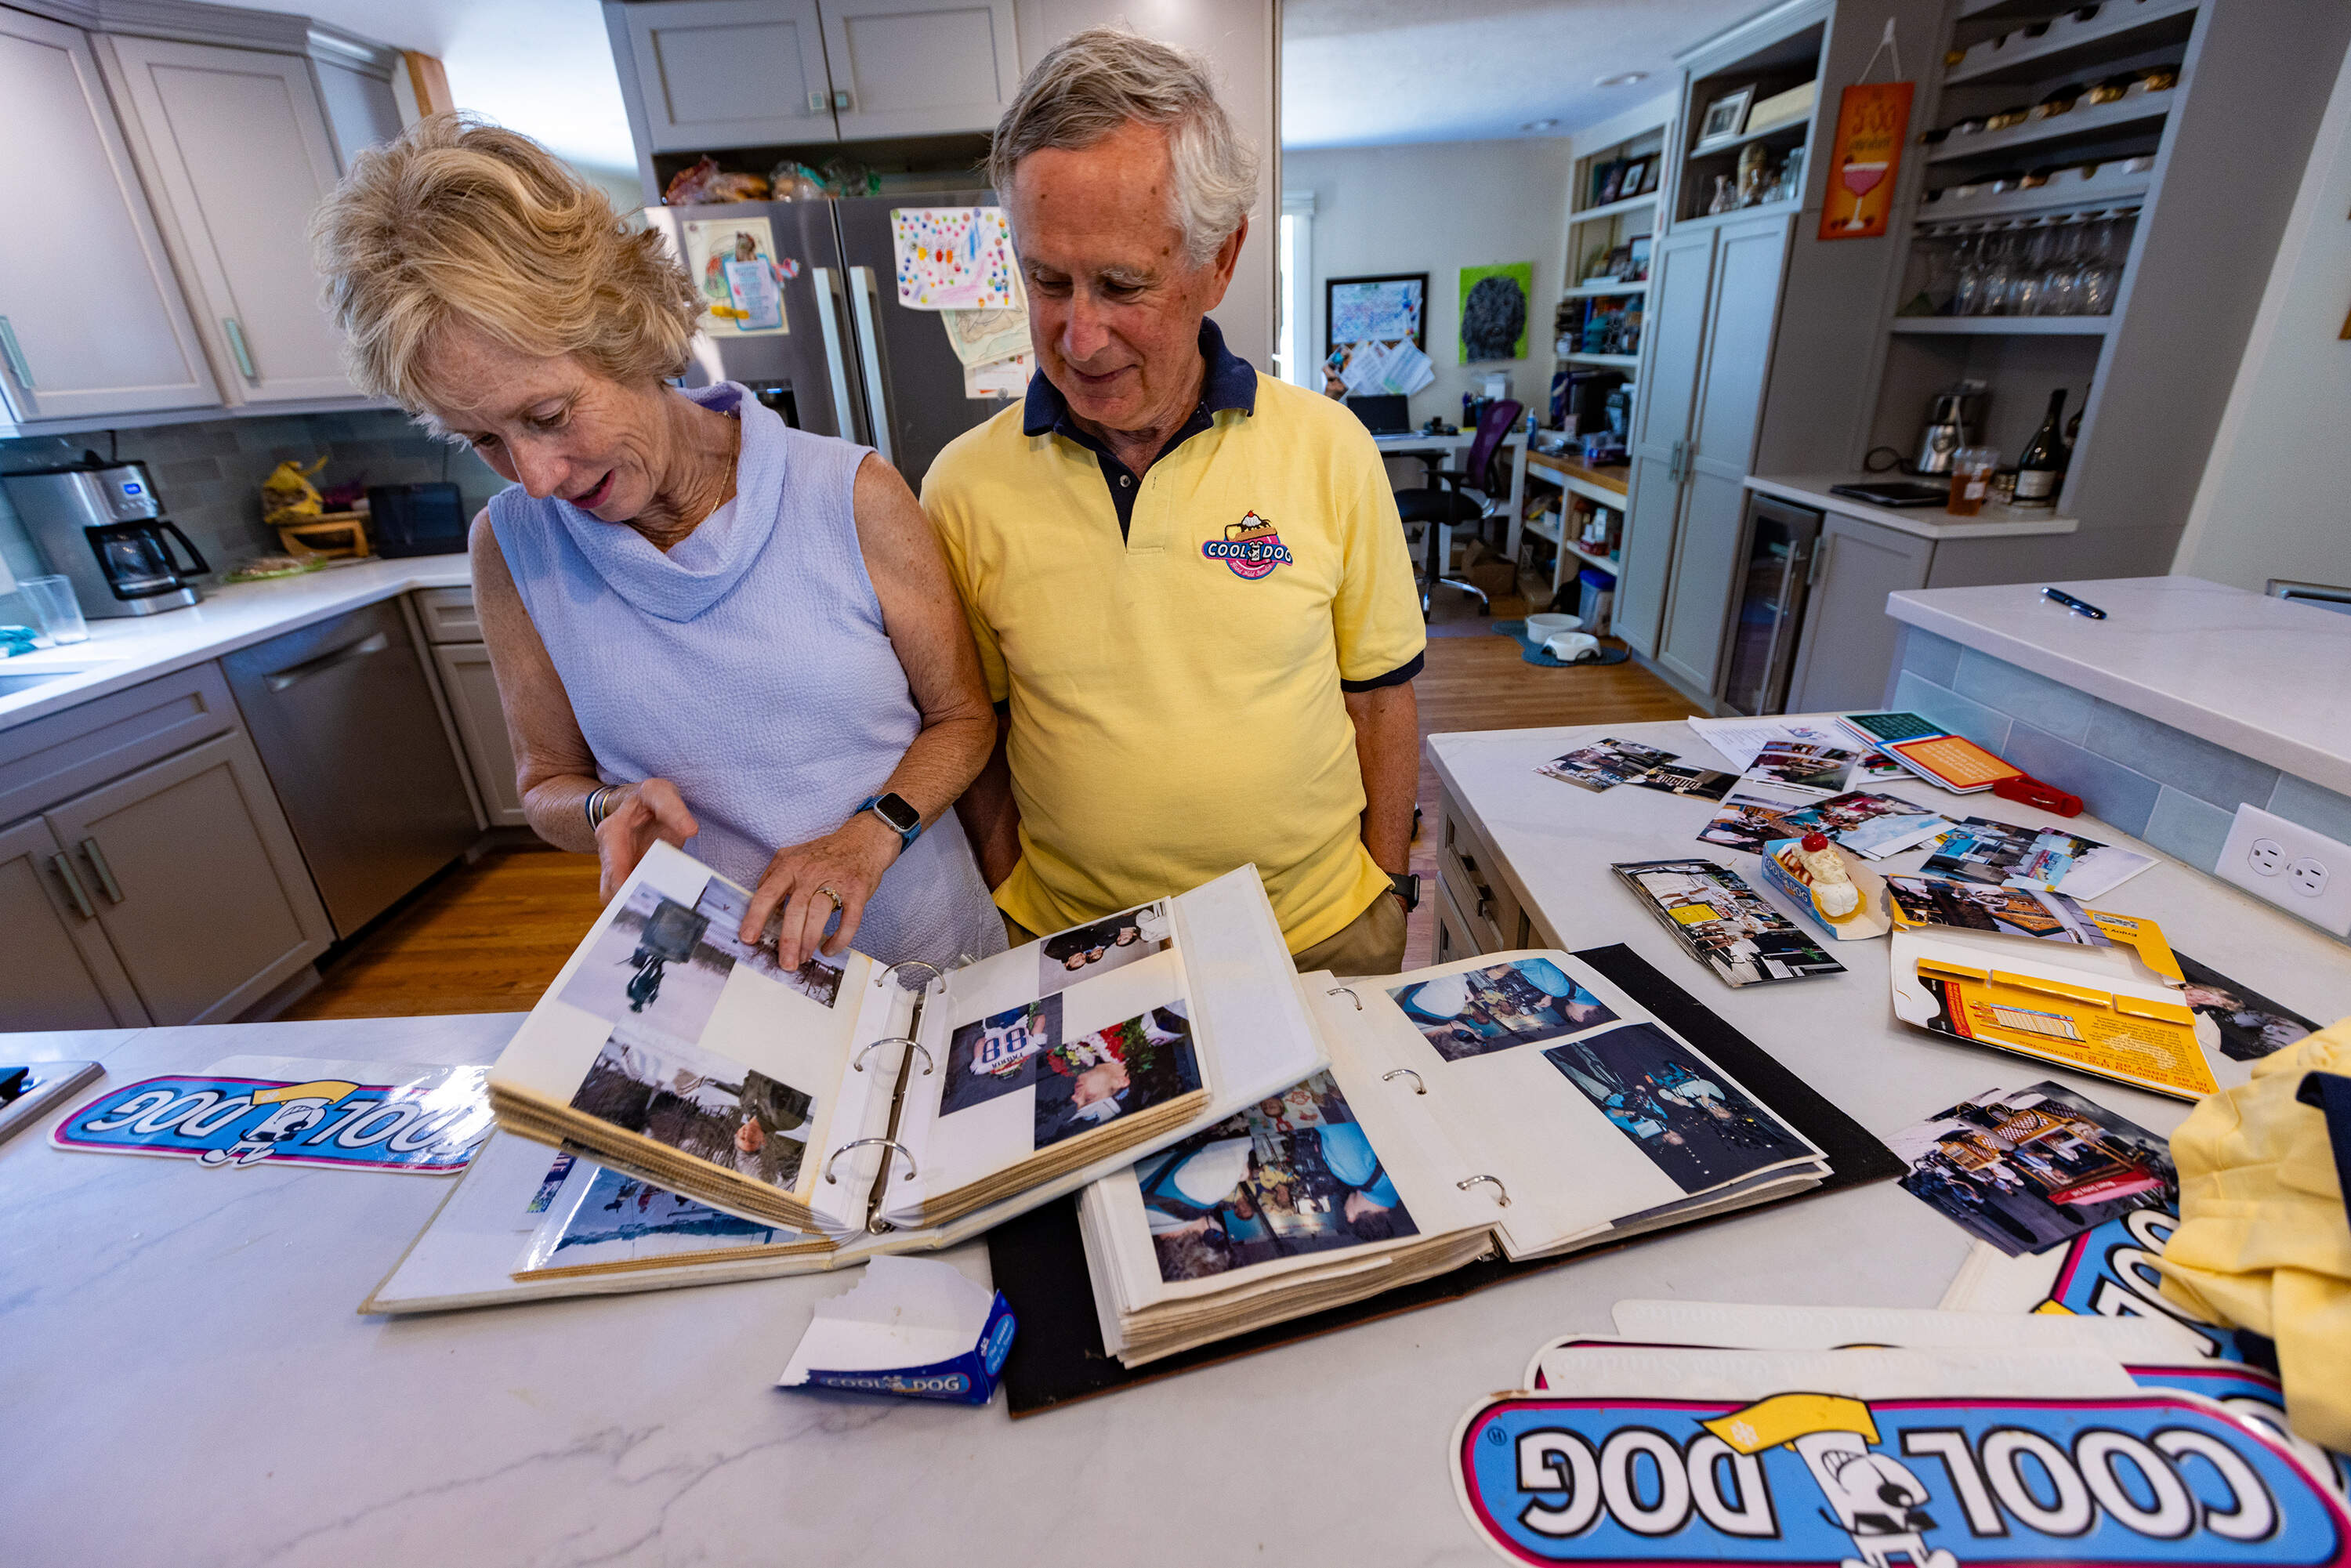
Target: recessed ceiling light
point(1540, 125)
point(1622, 79)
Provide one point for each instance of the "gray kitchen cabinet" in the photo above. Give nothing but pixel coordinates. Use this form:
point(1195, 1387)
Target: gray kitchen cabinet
point(62, 972)
point(724, 73)
point(1849, 640)
point(92, 322)
point(196, 881)
point(473, 693)
point(1681, 274)
point(234, 144)
point(919, 67)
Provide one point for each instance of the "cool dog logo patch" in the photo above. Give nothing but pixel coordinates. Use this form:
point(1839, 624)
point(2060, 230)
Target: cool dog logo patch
point(424, 1121)
point(1250, 547)
point(1938, 1483)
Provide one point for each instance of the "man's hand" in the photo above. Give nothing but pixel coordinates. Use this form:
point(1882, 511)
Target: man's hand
point(848, 861)
point(653, 809)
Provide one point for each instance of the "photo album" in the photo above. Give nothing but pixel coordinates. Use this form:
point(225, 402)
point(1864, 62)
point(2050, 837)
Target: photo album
point(714, 1111)
point(1513, 1103)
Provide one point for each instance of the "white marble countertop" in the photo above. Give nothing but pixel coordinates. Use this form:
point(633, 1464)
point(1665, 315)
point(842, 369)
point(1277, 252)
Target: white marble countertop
point(2263, 676)
point(1924, 522)
point(205, 1392)
point(123, 651)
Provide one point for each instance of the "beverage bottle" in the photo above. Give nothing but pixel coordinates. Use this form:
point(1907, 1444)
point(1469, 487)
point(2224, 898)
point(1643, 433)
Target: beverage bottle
point(2042, 466)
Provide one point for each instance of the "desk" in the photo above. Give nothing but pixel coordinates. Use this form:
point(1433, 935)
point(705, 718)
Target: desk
point(187, 1381)
point(1459, 443)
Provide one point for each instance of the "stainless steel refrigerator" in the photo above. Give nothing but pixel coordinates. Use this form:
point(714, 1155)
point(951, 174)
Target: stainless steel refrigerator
point(852, 362)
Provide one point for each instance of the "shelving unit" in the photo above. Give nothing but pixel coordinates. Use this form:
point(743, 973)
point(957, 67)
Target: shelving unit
point(1605, 488)
point(2099, 120)
point(1788, 63)
point(2067, 48)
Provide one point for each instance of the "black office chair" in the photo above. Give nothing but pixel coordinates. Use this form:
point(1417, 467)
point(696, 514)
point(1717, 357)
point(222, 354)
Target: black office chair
point(1445, 502)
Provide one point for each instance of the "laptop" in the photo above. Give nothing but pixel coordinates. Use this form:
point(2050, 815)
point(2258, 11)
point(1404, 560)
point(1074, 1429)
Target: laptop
point(1384, 416)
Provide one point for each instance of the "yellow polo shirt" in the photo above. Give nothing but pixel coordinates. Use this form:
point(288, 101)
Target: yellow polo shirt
point(1175, 696)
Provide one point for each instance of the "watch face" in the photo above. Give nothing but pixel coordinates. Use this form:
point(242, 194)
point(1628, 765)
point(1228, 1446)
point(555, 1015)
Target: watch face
point(898, 812)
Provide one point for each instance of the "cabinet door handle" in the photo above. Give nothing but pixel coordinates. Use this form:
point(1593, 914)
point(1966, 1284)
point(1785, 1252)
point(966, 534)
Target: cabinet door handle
point(106, 883)
point(1820, 568)
point(840, 98)
point(308, 667)
point(864, 294)
point(236, 346)
point(63, 868)
point(16, 365)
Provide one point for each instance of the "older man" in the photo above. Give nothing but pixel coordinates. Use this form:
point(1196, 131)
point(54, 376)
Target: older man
point(1193, 601)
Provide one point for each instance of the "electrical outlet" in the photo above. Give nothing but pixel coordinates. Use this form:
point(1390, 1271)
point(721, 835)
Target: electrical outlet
point(2301, 870)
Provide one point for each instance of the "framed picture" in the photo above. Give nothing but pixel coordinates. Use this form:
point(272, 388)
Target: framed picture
point(1638, 262)
point(1725, 119)
point(1376, 309)
point(1636, 177)
point(1607, 182)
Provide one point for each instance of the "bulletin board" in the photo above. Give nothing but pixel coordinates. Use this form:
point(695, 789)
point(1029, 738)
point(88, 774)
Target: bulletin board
point(1383, 309)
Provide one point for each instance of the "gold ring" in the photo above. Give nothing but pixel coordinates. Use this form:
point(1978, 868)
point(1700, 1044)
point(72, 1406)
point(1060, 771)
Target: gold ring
point(838, 902)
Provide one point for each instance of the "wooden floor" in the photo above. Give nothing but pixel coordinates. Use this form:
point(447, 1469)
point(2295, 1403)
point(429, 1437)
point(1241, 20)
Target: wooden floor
point(488, 937)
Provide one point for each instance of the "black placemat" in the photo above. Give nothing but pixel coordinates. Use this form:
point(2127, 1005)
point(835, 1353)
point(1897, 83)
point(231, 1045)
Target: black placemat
point(1039, 1261)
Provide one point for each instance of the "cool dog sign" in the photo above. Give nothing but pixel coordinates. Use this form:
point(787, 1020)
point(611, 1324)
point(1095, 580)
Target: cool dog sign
point(1787, 1474)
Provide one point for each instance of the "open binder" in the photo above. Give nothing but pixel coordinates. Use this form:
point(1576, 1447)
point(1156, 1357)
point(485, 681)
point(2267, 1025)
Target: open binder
point(855, 1108)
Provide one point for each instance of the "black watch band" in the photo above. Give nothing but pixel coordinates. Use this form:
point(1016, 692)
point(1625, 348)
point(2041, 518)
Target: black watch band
point(1406, 886)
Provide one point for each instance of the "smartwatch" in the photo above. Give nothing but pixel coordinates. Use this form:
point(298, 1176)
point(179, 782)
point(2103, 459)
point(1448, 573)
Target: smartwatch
point(897, 814)
point(1407, 887)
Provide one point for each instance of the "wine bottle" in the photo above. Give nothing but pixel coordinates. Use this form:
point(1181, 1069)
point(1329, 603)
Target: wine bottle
point(2042, 466)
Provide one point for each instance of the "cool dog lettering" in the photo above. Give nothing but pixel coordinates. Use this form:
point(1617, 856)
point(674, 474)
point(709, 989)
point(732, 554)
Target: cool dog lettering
point(1251, 547)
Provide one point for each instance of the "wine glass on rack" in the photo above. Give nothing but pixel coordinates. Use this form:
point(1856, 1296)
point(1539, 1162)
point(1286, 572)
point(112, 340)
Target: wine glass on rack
point(2059, 280)
point(2024, 297)
point(1968, 292)
point(1860, 179)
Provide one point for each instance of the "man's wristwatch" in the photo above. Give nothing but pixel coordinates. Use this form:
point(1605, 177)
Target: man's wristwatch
point(1407, 887)
point(898, 815)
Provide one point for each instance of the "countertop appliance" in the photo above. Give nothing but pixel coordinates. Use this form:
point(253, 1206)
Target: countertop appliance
point(356, 748)
point(416, 519)
point(1953, 420)
point(851, 360)
point(102, 526)
point(1783, 545)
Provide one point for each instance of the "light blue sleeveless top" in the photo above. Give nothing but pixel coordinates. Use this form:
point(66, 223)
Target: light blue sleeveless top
point(748, 667)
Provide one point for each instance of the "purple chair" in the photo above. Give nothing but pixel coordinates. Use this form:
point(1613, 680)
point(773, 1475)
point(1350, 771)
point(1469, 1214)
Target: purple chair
point(1444, 501)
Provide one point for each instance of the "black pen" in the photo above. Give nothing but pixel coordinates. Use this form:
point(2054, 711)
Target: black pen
point(2078, 606)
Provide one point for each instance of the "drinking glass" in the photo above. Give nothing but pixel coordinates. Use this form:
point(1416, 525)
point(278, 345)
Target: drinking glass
point(1971, 472)
point(2031, 266)
point(1999, 277)
point(56, 613)
point(1974, 268)
point(2059, 274)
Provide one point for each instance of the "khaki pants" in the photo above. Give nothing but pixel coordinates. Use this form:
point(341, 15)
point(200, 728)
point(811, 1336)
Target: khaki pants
point(1372, 944)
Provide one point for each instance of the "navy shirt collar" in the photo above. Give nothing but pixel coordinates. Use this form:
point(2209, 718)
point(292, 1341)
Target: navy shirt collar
point(1231, 382)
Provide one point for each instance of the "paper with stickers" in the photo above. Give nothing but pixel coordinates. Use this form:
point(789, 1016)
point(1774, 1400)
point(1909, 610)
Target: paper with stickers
point(953, 258)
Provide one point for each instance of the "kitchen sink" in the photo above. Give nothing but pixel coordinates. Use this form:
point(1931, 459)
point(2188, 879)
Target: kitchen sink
point(12, 682)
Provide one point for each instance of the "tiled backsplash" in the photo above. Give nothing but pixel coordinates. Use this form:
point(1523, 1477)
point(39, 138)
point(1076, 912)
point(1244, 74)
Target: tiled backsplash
point(209, 474)
point(2174, 789)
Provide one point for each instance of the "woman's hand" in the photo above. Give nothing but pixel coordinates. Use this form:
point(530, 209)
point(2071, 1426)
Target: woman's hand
point(850, 860)
point(650, 810)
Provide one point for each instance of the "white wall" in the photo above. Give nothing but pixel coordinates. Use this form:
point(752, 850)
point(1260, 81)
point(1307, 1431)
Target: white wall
point(2275, 500)
point(1437, 208)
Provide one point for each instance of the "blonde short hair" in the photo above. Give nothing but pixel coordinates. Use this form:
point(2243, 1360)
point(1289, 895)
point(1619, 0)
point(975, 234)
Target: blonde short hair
point(459, 220)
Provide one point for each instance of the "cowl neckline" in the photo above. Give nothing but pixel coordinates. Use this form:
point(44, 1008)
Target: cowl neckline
point(704, 567)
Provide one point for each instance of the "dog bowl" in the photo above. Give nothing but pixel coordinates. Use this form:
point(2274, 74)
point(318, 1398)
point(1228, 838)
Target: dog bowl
point(1541, 629)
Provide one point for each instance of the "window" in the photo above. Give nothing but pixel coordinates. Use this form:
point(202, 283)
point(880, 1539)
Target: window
point(1294, 358)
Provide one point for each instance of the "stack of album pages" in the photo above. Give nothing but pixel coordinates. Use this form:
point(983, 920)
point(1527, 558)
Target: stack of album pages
point(725, 1118)
point(1517, 1104)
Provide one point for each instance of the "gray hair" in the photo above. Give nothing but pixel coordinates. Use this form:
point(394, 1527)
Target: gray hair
point(1093, 82)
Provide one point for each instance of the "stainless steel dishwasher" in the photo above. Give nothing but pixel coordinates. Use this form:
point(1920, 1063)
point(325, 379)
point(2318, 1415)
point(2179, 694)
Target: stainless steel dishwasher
point(355, 747)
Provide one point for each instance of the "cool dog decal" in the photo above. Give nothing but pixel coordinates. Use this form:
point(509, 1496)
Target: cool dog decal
point(385, 1116)
point(1956, 1481)
point(1252, 548)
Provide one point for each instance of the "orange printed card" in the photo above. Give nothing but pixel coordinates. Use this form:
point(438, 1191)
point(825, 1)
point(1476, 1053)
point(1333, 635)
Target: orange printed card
point(1960, 763)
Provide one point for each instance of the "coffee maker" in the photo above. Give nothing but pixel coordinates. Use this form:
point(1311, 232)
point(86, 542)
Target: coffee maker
point(1953, 420)
point(102, 525)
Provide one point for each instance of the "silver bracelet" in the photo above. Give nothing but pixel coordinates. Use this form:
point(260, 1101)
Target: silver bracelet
point(593, 806)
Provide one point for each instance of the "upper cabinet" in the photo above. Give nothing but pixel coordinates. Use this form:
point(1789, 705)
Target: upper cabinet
point(239, 156)
point(919, 67)
point(92, 321)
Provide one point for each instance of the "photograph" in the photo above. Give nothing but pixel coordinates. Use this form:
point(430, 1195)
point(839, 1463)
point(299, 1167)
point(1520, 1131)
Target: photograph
point(2026, 1169)
point(1695, 1126)
point(1750, 818)
point(817, 977)
point(1289, 1176)
point(2248, 1024)
point(1725, 923)
point(1132, 1066)
point(700, 1104)
point(1082, 952)
point(1636, 177)
point(1725, 118)
point(1840, 814)
point(1481, 1011)
point(1802, 766)
point(1989, 907)
point(1987, 850)
point(1605, 764)
point(653, 968)
point(1639, 245)
point(1703, 782)
point(1890, 835)
point(620, 1220)
point(996, 1054)
point(1611, 179)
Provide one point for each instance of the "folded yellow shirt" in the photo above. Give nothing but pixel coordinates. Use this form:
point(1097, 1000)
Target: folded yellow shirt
point(2263, 1241)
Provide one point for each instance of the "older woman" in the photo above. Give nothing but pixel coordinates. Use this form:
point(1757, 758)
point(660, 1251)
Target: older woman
point(707, 628)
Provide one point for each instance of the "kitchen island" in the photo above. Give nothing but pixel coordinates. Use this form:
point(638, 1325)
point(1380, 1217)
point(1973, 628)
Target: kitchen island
point(202, 1389)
